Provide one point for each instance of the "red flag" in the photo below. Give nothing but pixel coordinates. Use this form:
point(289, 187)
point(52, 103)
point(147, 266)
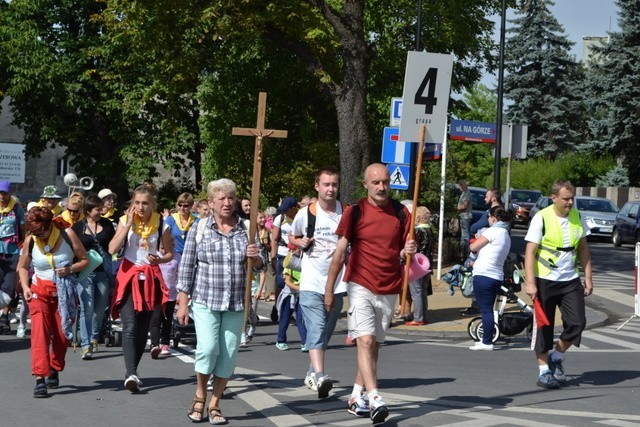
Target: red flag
point(541, 317)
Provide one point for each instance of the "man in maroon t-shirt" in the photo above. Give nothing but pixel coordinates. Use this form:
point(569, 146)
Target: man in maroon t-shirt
point(377, 240)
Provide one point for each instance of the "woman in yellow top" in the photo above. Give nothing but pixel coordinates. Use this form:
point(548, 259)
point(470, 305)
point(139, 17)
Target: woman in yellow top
point(179, 225)
point(139, 283)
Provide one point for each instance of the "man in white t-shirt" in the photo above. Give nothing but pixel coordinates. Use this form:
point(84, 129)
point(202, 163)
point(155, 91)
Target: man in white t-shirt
point(319, 242)
point(556, 242)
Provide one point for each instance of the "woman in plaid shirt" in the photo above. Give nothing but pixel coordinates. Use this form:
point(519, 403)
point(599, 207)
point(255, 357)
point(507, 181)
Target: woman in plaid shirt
point(212, 273)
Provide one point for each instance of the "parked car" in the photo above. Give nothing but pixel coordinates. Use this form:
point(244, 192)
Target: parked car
point(626, 228)
point(542, 203)
point(520, 203)
point(478, 207)
point(599, 214)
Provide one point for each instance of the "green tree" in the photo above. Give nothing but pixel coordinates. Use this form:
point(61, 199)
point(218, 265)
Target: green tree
point(51, 72)
point(539, 81)
point(614, 82)
point(468, 160)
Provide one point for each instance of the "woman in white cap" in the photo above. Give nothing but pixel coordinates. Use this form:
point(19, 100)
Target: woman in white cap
point(109, 204)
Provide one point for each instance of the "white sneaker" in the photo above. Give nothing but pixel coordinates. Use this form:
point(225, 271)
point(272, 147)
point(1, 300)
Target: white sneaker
point(251, 331)
point(479, 345)
point(310, 381)
point(358, 407)
point(378, 411)
point(243, 340)
point(210, 383)
point(133, 383)
point(21, 331)
point(324, 387)
point(13, 319)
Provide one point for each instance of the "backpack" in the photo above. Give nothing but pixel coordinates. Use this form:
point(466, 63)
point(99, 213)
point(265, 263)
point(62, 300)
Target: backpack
point(200, 227)
point(398, 209)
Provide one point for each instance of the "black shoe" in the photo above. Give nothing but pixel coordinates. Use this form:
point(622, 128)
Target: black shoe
point(53, 380)
point(40, 390)
point(379, 414)
point(5, 326)
point(470, 311)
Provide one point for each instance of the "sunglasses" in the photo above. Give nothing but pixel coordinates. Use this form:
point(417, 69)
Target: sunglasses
point(184, 205)
point(73, 210)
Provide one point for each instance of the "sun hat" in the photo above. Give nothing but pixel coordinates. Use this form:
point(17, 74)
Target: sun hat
point(50, 192)
point(5, 186)
point(105, 192)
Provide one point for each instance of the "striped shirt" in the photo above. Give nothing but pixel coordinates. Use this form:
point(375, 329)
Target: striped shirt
point(213, 272)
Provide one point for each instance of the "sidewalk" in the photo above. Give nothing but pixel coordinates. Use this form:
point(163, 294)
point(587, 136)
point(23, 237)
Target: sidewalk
point(445, 320)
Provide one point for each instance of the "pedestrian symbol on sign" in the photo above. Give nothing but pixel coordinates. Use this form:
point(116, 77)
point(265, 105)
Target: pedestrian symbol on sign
point(398, 179)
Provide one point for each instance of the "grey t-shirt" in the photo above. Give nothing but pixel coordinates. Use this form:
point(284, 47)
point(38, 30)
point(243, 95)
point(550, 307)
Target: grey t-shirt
point(465, 197)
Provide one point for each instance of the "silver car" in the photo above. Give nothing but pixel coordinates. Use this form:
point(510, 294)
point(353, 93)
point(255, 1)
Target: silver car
point(599, 213)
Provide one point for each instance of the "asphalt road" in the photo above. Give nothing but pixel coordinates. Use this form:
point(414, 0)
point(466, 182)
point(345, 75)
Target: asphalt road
point(425, 381)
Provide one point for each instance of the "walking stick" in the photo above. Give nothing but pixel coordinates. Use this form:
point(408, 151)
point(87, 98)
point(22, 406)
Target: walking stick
point(411, 236)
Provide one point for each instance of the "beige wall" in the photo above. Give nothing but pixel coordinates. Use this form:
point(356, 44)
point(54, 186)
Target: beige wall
point(39, 171)
point(619, 195)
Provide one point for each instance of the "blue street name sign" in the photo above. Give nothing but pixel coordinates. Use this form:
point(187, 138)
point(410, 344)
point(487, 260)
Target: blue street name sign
point(465, 130)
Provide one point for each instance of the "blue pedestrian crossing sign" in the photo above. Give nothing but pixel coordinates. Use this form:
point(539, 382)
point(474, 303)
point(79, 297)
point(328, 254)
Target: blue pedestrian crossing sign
point(399, 176)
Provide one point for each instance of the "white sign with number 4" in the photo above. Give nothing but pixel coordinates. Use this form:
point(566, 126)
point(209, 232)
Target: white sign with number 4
point(425, 97)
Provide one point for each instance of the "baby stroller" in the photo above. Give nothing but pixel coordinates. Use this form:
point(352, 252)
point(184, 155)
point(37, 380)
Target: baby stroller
point(506, 323)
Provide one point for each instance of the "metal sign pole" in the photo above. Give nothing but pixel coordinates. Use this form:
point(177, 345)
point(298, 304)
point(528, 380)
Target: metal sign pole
point(635, 291)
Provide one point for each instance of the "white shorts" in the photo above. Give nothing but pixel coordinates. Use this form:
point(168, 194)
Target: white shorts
point(369, 313)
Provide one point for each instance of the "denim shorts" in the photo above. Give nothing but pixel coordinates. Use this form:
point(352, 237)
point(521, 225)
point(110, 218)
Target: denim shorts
point(319, 323)
point(369, 313)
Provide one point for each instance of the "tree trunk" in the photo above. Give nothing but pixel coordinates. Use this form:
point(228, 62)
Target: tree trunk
point(350, 99)
point(351, 109)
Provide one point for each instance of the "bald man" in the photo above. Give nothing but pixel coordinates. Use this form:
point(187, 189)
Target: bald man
point(376, 229)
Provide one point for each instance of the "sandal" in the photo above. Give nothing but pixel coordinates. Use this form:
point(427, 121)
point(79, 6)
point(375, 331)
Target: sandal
point(192, 409)
point(216, 418)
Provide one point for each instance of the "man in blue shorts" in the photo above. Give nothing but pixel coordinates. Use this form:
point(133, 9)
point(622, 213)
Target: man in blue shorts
point(313, 230)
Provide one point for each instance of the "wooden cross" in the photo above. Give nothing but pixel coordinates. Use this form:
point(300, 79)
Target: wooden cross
point(259, 132)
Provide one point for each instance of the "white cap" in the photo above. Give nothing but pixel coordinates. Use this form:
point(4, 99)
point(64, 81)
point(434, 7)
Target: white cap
point(105, 192)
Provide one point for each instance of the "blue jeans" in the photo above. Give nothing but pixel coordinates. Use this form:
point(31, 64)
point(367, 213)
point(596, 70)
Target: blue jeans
point(320, 324)
point(485, 291)
point(283, 322)
point(84, 290)
point(101, 293)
